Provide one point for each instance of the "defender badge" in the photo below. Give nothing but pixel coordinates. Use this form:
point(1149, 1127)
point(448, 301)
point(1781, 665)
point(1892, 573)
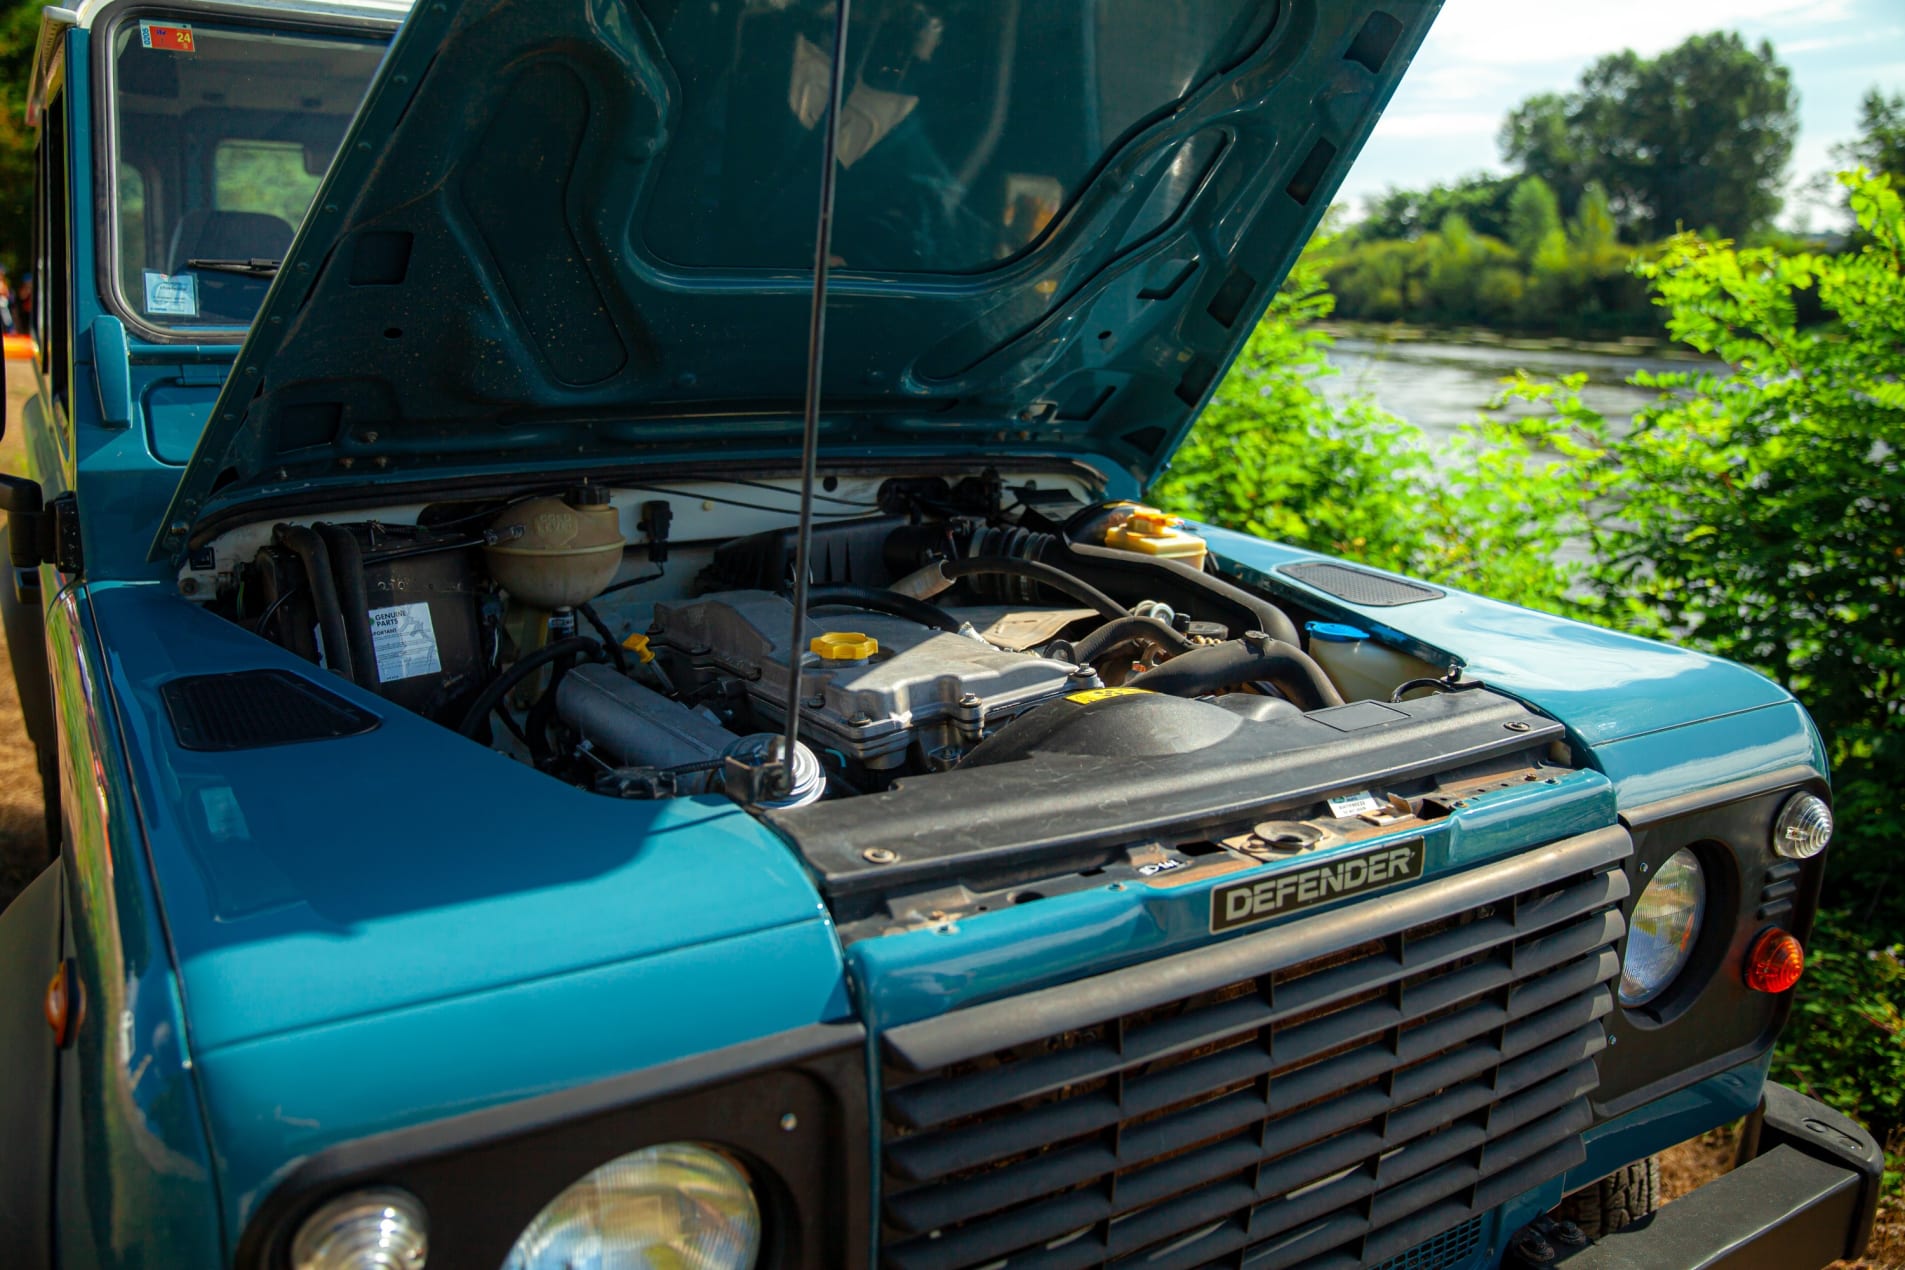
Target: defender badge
point(1260, 899)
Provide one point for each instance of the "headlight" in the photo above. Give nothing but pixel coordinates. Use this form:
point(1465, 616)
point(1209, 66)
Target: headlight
point(1804, 827)
point(383, 1229)
point(676, 1204)
point(1666, 922)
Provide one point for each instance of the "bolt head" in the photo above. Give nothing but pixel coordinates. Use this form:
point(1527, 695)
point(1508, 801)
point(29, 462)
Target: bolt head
point(969, 699)
point(879, 855)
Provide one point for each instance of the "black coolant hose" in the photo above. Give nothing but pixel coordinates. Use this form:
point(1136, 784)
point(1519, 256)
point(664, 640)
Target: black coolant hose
point(347, 566)
point(310, 551)
point(1121, 630)
point(525, 666)
point(1043, 574)
point(1216, 667)
point(891, 603)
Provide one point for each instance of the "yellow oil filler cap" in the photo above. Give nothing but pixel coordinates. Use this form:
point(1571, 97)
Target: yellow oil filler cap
point(843, 646)
point(1154, 533)
point(638, 644)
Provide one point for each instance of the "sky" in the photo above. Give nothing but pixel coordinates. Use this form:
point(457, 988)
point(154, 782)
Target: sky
point(1483, 57)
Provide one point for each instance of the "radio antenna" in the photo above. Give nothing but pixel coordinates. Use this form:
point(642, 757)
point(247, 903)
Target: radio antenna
point(783, 776)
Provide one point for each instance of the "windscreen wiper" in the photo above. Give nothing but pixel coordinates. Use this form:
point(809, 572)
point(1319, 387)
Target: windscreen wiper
point(255, 267)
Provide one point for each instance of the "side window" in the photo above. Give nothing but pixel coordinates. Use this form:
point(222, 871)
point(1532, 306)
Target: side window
point(134, 246)
point(52, 296)
point(271, 177)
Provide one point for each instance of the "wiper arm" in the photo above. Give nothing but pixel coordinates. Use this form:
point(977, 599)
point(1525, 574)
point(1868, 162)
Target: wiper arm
point(256, 267)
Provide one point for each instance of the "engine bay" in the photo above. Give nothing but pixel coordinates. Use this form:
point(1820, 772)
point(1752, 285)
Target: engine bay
point(999, 683)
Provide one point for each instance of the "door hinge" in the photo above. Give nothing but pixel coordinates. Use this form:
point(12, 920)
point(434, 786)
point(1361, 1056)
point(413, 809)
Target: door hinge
point(41, 533)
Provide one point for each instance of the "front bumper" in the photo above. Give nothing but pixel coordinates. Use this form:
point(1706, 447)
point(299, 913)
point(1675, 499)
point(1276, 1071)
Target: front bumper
point(1803, 1195)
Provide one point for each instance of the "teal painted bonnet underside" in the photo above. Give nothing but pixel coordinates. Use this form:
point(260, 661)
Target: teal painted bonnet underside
point(583, 228)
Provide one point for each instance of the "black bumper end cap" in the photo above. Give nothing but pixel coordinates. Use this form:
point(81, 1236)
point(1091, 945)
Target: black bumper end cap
point(1803, 1195)
point(1786, 1117)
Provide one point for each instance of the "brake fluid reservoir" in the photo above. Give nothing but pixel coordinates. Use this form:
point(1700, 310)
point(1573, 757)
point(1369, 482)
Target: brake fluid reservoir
point(1362, 668)
point(1150, 532)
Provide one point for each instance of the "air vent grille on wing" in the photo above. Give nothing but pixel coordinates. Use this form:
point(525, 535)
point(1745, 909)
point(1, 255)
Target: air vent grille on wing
point(1360, 586)
point(251, 709)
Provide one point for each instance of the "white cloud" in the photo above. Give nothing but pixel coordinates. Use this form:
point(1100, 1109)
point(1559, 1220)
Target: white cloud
point(1418, 124)
point(1524, 33)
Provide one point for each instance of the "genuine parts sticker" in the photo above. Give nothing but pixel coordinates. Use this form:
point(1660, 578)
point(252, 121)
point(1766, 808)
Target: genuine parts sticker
point(1241, 903)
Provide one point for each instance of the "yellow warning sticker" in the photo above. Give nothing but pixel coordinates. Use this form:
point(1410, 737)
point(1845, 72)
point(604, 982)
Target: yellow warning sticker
point(1090, 695)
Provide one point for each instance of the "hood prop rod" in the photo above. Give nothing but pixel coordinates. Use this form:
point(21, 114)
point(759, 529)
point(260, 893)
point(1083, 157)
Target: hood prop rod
point(777, 780)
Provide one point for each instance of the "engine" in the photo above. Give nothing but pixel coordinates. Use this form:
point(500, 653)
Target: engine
point(663, 667)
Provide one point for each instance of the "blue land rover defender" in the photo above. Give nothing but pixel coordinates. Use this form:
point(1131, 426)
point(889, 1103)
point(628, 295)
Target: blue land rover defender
point(481, 842)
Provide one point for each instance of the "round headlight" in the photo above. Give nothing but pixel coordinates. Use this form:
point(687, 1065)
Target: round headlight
point(1804, 827)
point(1666, 921)
point(676, 1204)
point(383, 1229)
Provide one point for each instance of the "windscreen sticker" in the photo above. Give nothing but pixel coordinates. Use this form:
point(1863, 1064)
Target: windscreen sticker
point(173, 37)
point(406, 642)
point(171, 295)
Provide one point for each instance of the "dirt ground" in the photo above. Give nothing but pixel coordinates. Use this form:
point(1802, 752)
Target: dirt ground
point(1682, 1169)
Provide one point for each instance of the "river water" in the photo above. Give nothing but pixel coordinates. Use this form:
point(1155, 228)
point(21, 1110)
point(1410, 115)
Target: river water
point(1438, 387)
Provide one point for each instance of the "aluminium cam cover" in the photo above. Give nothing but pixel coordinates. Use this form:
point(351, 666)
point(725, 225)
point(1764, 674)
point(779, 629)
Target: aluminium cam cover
point(912, 685)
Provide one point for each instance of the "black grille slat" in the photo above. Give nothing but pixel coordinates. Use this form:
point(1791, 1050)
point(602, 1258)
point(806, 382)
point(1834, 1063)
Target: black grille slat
point(1338, 1111)
point(933, 1102)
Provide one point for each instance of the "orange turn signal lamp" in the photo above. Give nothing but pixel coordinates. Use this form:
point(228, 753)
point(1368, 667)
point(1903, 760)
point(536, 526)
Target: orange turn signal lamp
point(1775, 961)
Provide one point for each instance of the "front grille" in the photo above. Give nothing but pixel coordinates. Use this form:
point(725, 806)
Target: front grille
point(1450, 1248)
point(1333, 1092)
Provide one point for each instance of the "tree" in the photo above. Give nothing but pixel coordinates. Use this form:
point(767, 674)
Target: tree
point(1533, 214)
point(1881, 143)
point(1480, 199)
point(1697, 137)
point(19, 29)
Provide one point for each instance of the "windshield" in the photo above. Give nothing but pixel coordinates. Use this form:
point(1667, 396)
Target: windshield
point(968, 124)
point(222, 134)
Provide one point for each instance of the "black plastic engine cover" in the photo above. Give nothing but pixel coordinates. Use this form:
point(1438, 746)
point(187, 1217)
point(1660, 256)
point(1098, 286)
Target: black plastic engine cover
point(1081, 776)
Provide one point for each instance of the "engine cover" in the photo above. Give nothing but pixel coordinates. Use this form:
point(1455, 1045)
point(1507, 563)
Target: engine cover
point(944, 691)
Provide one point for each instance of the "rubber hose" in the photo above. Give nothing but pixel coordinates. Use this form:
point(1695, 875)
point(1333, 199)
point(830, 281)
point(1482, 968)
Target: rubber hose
point(1090, 647)
point(347, 566)
point(525, 666)
point(1044, 574)
point(616, 651)
point(1214, 667)
point(890, 603)
point(310, 551)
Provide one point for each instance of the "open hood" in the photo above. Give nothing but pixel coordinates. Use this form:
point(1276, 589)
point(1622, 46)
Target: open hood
point(566, 231)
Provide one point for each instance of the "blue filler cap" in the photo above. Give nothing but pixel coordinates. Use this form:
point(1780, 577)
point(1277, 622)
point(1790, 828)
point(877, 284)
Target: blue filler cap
point(1335, 632)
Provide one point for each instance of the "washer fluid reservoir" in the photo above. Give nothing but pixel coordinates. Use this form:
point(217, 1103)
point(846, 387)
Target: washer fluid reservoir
point(1362, 668)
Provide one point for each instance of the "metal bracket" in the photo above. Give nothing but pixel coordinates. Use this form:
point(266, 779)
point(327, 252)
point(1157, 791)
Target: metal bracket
point(41, 533)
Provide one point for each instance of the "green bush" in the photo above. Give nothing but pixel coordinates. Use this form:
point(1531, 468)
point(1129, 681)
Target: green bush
point(1573, 280)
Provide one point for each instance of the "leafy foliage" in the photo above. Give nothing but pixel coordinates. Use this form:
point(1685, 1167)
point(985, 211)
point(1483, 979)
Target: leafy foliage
point(1483, 200)
point(1768, 502)
point(19, 29)
point(1699, 136)
point(1880, 145)
point(1574, 280)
